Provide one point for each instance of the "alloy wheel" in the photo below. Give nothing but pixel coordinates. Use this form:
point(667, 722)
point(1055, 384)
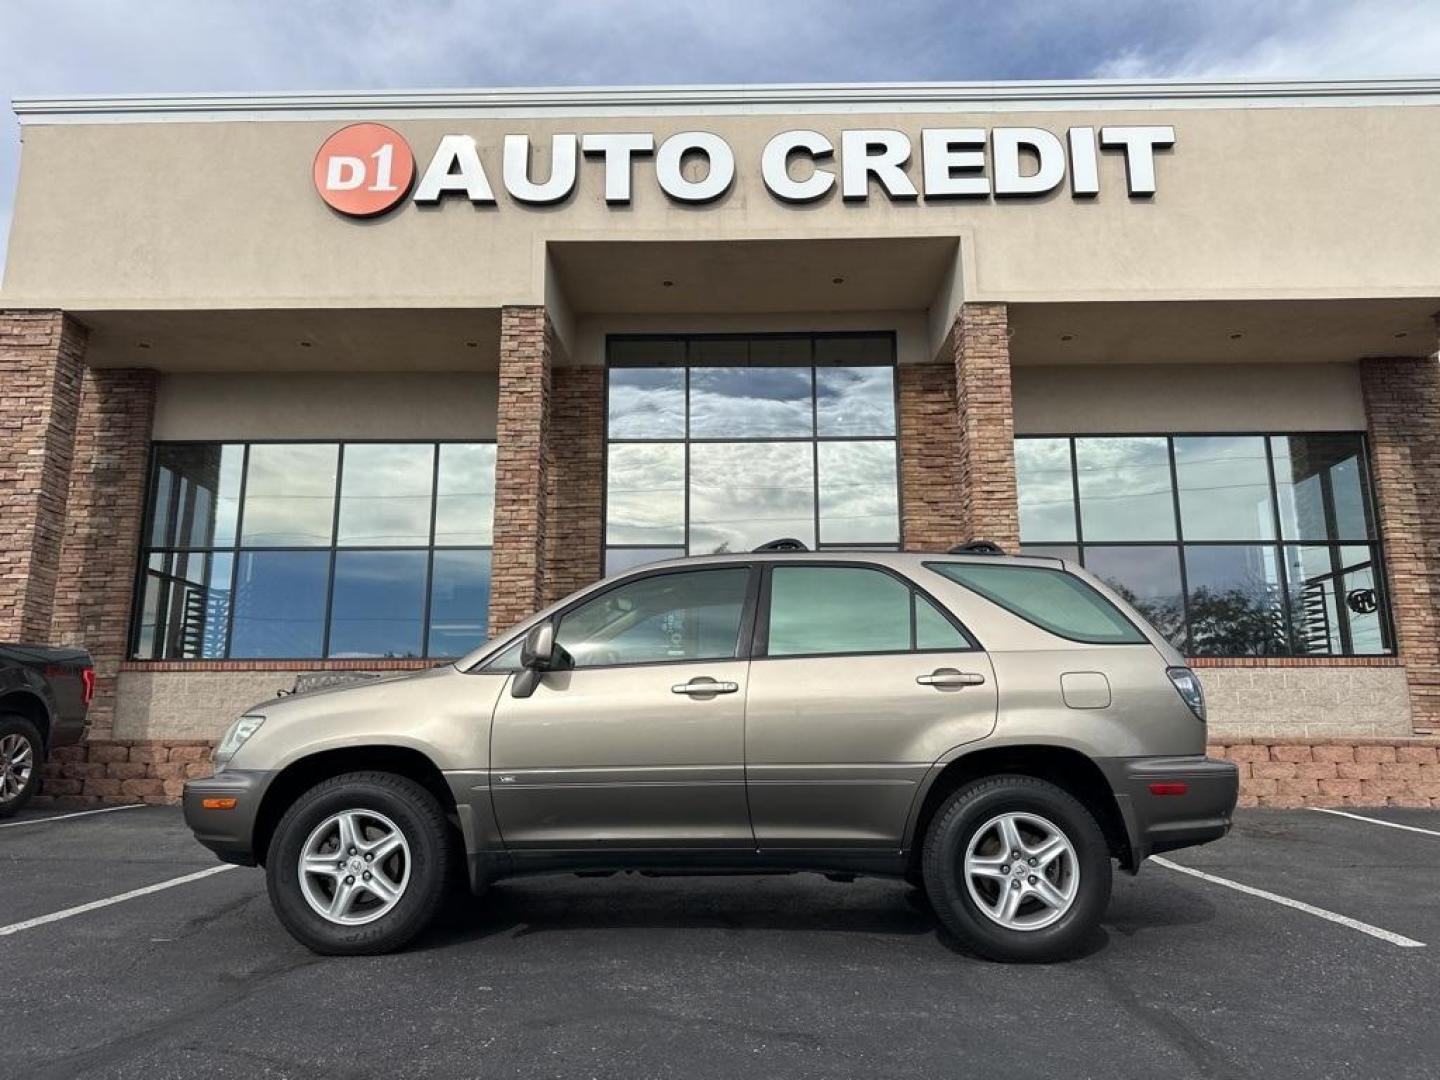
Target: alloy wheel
point(17, 762)
point(1021, 871)
point(354, 867)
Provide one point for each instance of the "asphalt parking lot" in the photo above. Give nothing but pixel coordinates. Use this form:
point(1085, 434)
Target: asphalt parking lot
point(701, 977)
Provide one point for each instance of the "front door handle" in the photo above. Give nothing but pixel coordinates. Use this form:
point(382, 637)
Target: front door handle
point(948, 678)
point(704, 686)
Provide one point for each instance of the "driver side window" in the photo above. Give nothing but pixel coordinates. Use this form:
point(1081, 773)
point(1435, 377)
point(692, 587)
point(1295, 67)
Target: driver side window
point(689, 615)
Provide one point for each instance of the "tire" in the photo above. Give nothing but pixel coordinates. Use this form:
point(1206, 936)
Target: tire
point(1059, 907)
point(22, 752)
point(378, 806)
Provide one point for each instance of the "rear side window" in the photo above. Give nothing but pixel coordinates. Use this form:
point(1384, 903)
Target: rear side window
point(828, 610)
point(1053, 600)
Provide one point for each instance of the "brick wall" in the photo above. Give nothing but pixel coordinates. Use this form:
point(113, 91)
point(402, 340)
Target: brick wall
point(929, 457)
point(102, 526)
point(989, 503)
point(1402, 408)
point(114, 773)
point(41, 364)
point(574, 481)
point(1291, 773)
point(523, 418)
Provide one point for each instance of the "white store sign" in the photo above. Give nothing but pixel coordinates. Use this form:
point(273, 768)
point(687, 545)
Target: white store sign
point(366, 169)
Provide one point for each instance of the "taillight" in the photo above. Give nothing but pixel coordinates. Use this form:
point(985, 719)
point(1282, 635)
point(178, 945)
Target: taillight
point(87, 682)
point(1187, 685)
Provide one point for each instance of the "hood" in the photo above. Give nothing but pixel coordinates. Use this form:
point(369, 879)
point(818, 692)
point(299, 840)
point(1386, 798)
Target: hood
point(291, 701)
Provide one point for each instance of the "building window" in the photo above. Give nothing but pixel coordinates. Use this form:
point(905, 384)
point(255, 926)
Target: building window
point(309, 550)
point(720, 443)
point(1231, 545)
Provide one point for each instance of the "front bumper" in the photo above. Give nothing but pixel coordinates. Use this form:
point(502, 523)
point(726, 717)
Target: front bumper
point(228, 833)
point(1172, 802)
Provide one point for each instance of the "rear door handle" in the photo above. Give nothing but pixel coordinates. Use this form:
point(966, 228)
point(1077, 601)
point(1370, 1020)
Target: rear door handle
point(704, 687)
point(949, 677)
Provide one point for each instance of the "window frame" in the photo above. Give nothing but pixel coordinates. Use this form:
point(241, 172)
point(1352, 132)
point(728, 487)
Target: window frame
point(743, 640)
point(686, 341)
point(1279, 544)
point(1144, 639)
point(238, 548)
point(761, 645)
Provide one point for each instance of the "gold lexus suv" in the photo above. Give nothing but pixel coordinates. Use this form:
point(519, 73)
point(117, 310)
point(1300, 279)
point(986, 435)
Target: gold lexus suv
point(993, 729)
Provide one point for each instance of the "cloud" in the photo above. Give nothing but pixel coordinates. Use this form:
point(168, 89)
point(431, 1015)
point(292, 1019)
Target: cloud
point(56, 47)
point(1294, 39)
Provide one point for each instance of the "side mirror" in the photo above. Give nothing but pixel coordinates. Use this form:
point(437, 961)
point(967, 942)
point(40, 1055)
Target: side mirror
point(537, 651)
point(537, 654)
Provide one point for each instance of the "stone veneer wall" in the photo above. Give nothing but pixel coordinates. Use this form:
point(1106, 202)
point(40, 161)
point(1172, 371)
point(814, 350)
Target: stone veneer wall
point(929, 460)
point(41, 370)
point(986, 491)
point(1402, 409)
point(93, 596)
point(521, 459)
point(574, 482)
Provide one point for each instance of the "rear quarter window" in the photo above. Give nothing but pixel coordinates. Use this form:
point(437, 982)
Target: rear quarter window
point(1053, 600)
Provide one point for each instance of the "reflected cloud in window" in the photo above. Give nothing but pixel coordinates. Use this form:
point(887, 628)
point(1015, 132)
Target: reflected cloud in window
point(385, 495)
point(754, 402)
point(744, 494)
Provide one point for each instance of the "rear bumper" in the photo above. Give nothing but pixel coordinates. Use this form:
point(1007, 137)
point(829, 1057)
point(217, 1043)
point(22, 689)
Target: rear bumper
point(1172, 802)
point(228, 833)
point(66, 731)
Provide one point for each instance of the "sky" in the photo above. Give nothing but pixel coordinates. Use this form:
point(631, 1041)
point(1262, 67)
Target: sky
point(59, 47)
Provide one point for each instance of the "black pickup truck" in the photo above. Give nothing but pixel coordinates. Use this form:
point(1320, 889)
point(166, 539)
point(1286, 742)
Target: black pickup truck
point(44, 697)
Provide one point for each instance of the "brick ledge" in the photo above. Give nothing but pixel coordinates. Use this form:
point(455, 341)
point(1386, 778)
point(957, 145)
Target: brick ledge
point(281, 665)
point(1294, 661)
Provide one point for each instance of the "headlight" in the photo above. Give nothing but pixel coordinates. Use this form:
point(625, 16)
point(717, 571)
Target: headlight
point(239, 732)
point(1189, 689)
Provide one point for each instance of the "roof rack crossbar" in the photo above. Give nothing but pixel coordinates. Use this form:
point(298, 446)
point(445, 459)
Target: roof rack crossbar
point(977, 547)
point(787, 543)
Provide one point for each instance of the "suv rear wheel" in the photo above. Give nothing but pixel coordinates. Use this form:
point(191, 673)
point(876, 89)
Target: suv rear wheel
point(20, 752)
point(359, 864)
point(1017, 869)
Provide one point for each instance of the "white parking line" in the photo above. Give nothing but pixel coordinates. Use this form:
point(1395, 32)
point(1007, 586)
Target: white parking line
point(1376, 821)
point(1250, 890)
point(15, 928)
point(78, 813)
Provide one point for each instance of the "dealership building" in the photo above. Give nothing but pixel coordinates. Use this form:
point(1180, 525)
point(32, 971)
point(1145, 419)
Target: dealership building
point(304, 382)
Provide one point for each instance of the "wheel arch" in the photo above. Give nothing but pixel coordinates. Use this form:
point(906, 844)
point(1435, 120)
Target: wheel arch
point(30, 706)
point(304, 773)
point(1065, 767)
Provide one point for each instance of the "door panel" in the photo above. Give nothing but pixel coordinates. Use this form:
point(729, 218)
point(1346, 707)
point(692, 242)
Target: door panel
point(614, 757)
point(836, 746)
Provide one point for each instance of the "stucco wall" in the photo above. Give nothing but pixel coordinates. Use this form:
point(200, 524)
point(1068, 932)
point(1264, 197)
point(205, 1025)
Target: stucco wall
point(1072, 399)
point(313, 405)
point(1260, 202)
point(190, 704)
point(1338, 702)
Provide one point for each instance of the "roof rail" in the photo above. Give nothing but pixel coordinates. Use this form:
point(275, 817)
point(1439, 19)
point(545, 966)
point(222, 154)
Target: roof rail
point(785, 544)
point(977, 547)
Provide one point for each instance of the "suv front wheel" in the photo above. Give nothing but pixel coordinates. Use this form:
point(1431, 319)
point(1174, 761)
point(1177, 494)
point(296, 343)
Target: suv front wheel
point(1017, 869)
point(359, 864)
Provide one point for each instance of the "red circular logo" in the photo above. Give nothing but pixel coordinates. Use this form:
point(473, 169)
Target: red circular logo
point(364, 169)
